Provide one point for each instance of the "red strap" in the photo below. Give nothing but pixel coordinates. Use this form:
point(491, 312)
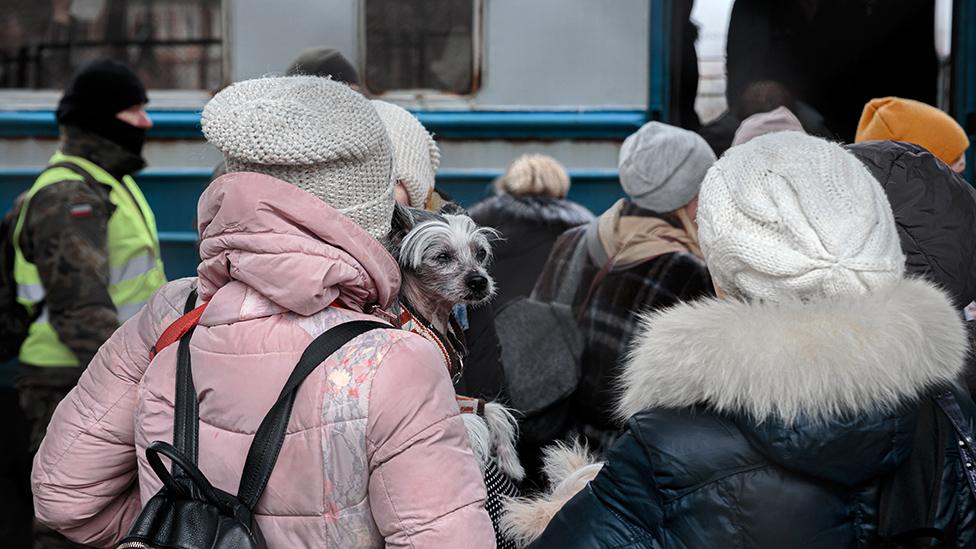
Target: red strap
point(177, 330)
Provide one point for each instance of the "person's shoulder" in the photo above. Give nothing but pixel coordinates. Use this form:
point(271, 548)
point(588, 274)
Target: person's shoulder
point(48, 205)
point(485, 211)
point(680, 265)
point(572, 236)
point(395, 353)
point(167, 304)
point(663, 423)
point(697, 441)
point(408, 355)
point(67, 190)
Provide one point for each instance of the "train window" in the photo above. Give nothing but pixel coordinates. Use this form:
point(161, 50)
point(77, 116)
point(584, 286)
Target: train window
point(171, 44)
point(429, 45)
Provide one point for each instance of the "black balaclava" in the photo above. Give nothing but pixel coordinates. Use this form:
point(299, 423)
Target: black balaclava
point(97, 92)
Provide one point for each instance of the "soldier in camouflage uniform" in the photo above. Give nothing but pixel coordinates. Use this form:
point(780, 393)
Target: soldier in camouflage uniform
point(64, 233)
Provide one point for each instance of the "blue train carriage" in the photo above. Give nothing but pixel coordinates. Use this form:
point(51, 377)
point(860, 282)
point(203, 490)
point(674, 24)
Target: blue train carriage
point(491, 78)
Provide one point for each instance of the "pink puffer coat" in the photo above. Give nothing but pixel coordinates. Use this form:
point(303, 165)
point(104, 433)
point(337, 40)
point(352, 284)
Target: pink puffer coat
point(375, 449)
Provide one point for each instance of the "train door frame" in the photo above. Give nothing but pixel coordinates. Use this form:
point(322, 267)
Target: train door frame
point(963, 105)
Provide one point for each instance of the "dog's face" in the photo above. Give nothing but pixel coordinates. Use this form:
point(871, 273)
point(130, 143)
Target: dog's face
point(446, 253)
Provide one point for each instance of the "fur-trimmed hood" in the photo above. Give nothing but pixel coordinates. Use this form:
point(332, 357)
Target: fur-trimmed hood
point(824, 389)
point(531, 209)
point(817, 361)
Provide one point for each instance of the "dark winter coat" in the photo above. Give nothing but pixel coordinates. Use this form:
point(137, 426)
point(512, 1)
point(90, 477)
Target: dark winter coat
point(773, 425)
point(529, 227)
point(608, 310)
point(935, 211)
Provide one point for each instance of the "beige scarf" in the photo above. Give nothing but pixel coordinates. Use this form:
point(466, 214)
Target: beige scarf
point(628, 240)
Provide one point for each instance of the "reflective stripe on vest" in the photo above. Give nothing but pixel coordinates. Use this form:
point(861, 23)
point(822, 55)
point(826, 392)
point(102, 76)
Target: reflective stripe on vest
point(135, 268)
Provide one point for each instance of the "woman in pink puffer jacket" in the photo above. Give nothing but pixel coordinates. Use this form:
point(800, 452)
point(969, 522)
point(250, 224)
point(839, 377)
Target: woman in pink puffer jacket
point(375, 449)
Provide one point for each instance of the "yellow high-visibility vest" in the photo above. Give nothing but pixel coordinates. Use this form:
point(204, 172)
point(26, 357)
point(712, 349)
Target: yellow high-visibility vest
point(133, 254)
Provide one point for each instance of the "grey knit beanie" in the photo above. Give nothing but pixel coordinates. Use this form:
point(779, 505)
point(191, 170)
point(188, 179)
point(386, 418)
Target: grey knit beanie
point(662, 167)
point(314, 133)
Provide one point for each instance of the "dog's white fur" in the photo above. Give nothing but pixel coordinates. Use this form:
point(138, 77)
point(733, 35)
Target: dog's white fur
point(567, 469)
point(504, 430)
point(493, 437)
point(820, 359)
point(458, 230)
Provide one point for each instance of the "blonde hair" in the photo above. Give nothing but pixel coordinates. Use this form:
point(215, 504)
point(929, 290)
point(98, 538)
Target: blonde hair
point(534, 175)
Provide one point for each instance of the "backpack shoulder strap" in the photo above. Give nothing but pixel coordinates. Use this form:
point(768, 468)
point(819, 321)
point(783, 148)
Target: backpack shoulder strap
point(23, 202)
point(186, 408)
point(180, 327)
point(263, 454)
point(68, 165)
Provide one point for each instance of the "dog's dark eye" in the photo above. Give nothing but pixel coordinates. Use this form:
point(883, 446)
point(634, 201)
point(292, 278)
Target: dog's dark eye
point(442, 257)
point(481, 255)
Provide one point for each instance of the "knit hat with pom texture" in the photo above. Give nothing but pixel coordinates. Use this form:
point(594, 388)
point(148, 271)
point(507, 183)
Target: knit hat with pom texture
point(312, 132)
point(791, 216)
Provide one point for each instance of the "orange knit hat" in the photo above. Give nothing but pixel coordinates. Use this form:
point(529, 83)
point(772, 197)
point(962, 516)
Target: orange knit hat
point(897, 119)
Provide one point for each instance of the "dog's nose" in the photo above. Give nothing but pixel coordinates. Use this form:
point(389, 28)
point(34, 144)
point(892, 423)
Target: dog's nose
point(477, 283)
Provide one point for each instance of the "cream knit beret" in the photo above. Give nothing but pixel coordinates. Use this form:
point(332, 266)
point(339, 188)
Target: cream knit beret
point(415, 154)
point(789, 216)
point(314, 133)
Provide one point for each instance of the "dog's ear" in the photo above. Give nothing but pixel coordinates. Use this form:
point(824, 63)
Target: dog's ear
point(452, 208)
point(401, 224)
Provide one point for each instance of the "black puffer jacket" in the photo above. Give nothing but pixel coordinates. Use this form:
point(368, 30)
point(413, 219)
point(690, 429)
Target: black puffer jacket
point(763, 426)
point(935, 210)
point(529, 227)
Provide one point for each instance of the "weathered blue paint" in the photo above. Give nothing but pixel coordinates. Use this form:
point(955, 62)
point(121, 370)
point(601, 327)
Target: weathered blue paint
point(444, 124)
point(532, 125)
point(166, 124)
point(659, 56)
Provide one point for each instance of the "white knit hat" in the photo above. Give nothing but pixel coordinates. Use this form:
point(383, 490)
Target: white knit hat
point(662, 166)
point(788, 216)
point(314, 133)
point(415, 154)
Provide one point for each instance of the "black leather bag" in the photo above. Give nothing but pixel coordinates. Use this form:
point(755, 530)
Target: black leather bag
point(189, 512)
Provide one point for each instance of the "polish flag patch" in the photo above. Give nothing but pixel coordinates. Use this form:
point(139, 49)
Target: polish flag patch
point(79, 211)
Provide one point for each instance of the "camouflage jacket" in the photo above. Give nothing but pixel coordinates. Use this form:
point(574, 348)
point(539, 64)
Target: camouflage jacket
point(71, 250)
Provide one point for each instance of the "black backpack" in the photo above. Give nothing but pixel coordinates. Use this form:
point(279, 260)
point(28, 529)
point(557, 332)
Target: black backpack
point(908, 506)
point(15, 320)
point(189, 512)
